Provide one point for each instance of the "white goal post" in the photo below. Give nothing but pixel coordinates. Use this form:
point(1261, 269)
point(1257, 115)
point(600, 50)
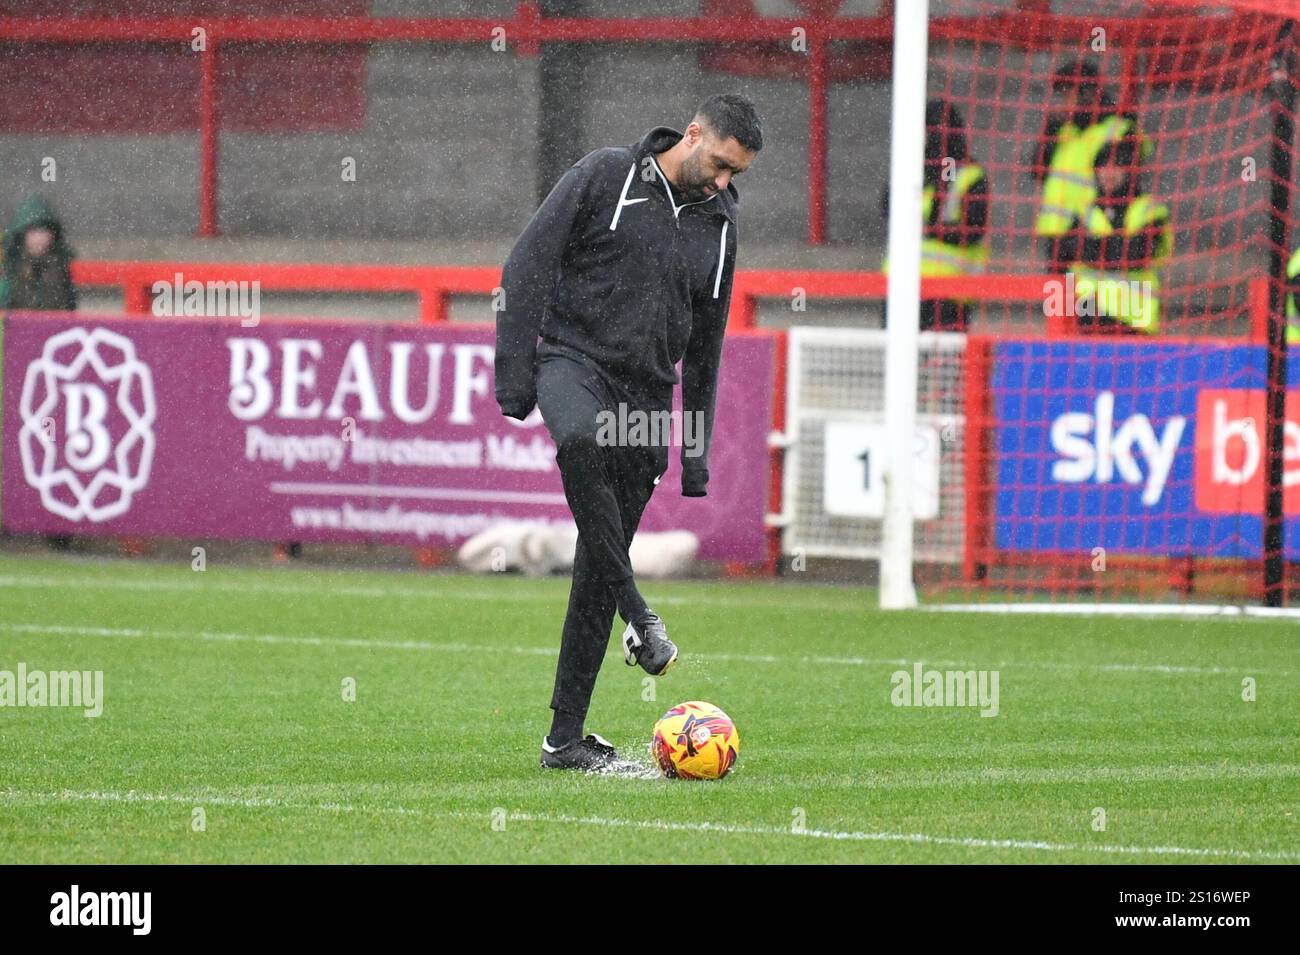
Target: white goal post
point(906, 163)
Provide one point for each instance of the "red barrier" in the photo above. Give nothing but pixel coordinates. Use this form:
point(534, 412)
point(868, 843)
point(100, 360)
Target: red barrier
point(433, 284)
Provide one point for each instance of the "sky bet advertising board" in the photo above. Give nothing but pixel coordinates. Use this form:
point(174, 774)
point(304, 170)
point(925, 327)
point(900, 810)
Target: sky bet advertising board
point(1137, 447)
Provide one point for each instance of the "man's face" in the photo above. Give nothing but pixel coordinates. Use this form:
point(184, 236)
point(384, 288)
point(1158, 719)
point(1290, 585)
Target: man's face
point(708, 168)
point(37, 241)
point(1111, 176)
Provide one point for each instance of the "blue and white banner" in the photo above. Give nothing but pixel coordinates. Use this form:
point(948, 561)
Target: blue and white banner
point(1136, 447)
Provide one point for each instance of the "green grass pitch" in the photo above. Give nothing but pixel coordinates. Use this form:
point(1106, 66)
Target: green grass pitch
point(223, 692)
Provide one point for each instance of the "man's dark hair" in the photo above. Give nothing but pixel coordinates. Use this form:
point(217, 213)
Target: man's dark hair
point(732, 114)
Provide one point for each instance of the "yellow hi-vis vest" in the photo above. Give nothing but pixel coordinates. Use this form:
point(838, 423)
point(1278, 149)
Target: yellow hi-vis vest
point(1131, 296)
point(938, 257)
point(1071, 183)
point(1292, 313)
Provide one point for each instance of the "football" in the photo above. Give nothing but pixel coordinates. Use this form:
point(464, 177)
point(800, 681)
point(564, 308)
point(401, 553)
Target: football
point(695, 740)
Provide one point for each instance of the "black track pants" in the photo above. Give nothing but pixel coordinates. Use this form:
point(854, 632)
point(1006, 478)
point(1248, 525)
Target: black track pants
point(607, 488)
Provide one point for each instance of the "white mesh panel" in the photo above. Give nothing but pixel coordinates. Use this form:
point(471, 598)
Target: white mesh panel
point(838, 374)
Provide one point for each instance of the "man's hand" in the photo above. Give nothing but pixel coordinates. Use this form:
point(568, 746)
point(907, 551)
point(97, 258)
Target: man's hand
point(695, 483)
point(517, 406)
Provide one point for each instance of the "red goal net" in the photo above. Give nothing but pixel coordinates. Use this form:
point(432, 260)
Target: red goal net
point(1108, 217)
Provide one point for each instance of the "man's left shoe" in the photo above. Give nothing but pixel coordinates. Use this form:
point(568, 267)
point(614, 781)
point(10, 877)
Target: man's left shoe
point(645, 642)
point(592, 754)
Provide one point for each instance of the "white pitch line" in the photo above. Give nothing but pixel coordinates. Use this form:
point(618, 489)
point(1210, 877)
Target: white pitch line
point(324, 589)
point(272, 638)
point(328, 588)
point(656, 825)
point(908, 837)
point(194, 799)
point(488, 647)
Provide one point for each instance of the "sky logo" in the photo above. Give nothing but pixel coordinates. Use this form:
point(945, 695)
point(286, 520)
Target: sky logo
point(1095, 447)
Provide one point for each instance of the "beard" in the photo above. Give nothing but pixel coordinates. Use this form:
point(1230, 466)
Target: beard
point(695, 185)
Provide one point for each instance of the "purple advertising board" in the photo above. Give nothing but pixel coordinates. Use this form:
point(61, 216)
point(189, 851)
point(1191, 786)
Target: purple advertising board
point(320, 431)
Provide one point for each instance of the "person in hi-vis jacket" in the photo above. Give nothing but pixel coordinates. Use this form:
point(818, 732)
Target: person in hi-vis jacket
point(1116, 247)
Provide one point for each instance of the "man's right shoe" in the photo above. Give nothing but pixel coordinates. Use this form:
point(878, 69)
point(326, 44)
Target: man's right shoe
point(645, 642)
point(595, 754)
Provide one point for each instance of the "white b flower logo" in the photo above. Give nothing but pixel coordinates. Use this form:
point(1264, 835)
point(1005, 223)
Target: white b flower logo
point(87, 440)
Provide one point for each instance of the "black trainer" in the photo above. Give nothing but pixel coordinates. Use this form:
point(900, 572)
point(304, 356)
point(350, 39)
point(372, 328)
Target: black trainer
point(646, 642)
point(595, 754)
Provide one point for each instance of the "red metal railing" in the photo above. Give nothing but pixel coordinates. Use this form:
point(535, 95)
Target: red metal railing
point(433, 285)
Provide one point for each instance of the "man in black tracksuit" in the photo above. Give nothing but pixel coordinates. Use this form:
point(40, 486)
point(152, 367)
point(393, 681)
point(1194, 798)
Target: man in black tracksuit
point(624, 270)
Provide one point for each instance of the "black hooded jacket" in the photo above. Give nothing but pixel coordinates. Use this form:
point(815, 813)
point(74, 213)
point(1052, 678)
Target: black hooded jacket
point(615, 271)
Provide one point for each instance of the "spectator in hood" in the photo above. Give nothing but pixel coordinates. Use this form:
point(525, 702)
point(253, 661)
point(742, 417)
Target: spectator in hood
point(36, 274)
point(37, 261)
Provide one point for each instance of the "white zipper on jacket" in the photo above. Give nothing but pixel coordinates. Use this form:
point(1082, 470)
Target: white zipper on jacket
point(623, 200)
point(677, 210)
point(722, 255)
